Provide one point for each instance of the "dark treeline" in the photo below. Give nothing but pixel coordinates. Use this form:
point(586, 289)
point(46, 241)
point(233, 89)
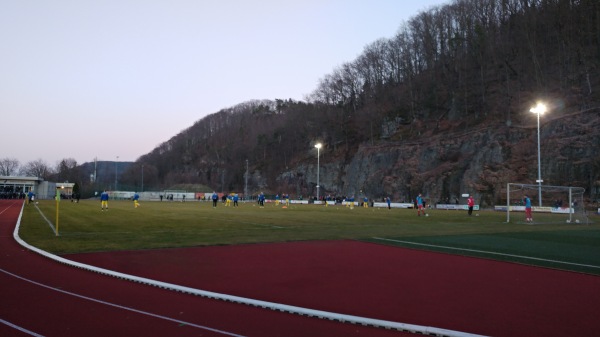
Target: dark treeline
point(468, 64)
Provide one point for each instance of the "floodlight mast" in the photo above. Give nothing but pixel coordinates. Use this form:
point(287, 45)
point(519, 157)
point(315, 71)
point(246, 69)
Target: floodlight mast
point(318, 146)
point(539, 109)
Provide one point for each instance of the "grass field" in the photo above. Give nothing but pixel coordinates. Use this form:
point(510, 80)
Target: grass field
point(83, 227)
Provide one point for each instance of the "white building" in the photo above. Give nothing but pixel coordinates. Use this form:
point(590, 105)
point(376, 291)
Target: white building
point(17, 187)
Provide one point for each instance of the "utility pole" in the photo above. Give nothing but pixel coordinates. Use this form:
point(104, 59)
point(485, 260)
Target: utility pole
point(116, 174)
point(142, 177)
point(95, 169)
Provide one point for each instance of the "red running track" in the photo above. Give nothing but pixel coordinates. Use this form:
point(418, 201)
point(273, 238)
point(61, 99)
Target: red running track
point(64, 301)
point(452, 292)
point(402, 285)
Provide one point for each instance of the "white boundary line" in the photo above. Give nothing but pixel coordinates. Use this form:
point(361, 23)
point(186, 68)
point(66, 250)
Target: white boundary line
point(119, 307)
point(48, 221)
point(248, 301)
point(16, 327)
point(11, 205)
point(487, 252)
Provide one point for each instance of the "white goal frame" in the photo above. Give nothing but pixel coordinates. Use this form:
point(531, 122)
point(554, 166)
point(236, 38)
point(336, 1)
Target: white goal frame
point(535, 188)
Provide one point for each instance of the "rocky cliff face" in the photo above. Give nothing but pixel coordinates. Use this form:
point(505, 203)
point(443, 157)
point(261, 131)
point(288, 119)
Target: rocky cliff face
point(444, 165)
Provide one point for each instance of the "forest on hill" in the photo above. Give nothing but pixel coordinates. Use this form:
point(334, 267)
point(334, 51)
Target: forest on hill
point(441, 108)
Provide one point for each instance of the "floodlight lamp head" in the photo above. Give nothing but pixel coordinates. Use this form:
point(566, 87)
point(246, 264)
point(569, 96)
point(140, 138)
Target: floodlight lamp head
point(539, 109)
point(318, 145)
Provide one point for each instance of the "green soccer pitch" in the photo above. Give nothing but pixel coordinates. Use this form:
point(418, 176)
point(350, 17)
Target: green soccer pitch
point(83, 227)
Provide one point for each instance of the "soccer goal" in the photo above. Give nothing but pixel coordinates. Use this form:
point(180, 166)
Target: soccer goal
point(550, 204)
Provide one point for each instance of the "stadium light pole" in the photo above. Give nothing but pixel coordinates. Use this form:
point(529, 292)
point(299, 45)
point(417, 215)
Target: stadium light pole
point(539, 109)
point(318, 146)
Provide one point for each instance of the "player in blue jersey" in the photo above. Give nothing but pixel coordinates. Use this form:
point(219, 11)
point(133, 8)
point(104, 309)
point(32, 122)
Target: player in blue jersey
point(215, 198)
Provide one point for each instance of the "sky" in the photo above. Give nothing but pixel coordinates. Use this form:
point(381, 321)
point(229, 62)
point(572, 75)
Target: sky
point(113, 79)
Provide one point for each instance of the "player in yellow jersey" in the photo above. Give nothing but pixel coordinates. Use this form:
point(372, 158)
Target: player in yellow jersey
point(104, 200)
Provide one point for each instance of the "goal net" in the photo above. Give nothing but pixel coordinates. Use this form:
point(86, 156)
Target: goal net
point(550, 204)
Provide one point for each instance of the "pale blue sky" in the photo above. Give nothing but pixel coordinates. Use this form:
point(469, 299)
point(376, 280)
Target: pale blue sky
point(89, 79)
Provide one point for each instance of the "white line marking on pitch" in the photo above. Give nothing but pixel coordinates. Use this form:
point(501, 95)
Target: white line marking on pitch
point(486, 252)
point(50, 224)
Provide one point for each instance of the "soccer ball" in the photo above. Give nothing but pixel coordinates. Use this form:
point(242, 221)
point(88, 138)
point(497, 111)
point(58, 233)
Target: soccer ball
point(477, 214)
point(577, 221)
point(427, 214)
point(568, 221)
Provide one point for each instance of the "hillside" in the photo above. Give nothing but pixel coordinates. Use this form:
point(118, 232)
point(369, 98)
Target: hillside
point(442, 108)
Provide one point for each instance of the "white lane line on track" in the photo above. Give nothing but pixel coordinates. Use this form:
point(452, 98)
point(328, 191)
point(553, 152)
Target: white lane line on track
point(122, 307)
point(488, 252)
point(31, 333)
point(9, 206)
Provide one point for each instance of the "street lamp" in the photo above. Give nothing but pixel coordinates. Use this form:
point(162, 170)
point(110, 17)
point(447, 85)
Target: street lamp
point(539, 109)
point(318, 146)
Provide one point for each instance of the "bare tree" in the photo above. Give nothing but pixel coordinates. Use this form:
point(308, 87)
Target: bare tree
point(8, 166)
point(37, 168)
